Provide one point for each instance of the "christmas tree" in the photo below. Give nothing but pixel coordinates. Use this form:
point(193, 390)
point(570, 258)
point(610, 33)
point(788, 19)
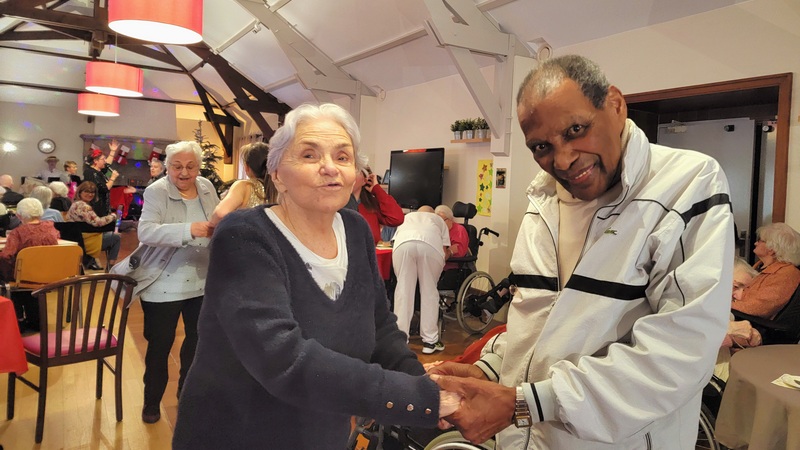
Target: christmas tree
point(208, 166)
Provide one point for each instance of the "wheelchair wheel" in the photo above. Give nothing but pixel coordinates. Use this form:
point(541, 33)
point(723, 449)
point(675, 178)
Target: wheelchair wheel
point(476, 285)
point(705, 434)
point(453, 440)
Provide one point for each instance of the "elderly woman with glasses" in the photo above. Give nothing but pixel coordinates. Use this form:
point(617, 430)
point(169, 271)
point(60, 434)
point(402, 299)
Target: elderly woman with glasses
point(170, 266)
point(296, 332)
point(778, 252)
point(82, 211)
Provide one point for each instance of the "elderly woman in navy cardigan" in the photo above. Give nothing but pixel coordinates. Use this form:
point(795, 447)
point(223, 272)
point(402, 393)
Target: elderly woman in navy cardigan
point(296, 335)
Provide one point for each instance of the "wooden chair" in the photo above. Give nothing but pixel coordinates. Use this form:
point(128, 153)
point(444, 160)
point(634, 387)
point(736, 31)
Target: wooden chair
point(102, 334)
point(43, 264)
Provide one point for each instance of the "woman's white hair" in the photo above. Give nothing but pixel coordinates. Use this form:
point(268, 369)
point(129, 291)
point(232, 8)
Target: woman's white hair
point(29, 208)
point(184, 147)
point(59, 188)
point(741, 264)
point(444, 210)
point(783, 240)
point(284, 135)
point(43, 194)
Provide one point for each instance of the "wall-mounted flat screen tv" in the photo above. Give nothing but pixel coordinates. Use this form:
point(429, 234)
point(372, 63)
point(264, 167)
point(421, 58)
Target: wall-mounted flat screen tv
point(416, 177)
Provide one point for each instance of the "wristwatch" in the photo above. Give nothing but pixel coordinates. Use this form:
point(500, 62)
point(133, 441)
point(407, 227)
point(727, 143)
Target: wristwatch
point(522, 414)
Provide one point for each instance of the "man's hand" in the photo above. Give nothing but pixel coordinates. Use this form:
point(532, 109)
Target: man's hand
point(113, 146)
point(458, 370)
point(486, 408)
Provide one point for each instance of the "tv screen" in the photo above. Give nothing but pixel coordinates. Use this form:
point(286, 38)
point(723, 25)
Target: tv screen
point(416, 177)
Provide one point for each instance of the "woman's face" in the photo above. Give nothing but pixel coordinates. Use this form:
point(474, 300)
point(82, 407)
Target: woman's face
point(740, 280)
point(761, 250)
point(317, 171)
point(183, 170)
point(87, 196)
point(361, 180)
point(72, 170)
point(99, 162)
point(155, 169)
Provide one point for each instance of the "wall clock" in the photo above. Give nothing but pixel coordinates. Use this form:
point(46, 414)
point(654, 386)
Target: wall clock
point(47, 146)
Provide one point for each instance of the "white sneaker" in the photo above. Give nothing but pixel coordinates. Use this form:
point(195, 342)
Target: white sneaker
point(430, 348)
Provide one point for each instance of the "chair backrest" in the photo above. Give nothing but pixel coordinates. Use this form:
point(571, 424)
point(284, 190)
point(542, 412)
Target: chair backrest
point(788, 320)
point(39, 265)
point(468, 211)
point(70, 231)
point(104, 311)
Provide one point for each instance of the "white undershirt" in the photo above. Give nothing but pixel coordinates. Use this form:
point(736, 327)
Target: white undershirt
point(328, 273)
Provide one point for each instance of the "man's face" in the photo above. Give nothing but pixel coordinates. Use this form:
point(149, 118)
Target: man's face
point(576, 143)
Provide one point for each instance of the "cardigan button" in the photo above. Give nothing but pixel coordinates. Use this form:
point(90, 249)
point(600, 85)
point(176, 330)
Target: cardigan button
point(410, 407)
point(428, 411)
point(389, 405)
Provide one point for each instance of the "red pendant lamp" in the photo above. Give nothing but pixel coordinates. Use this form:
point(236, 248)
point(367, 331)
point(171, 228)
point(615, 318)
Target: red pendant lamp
point(114, 79)
point(166, 21)
point(98, 105)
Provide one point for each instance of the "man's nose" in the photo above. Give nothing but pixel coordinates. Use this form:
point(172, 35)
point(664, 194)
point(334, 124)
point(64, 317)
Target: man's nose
point(563, 156)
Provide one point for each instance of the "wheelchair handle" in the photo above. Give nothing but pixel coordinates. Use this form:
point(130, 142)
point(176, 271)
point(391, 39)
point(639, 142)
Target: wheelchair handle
point(488, 231)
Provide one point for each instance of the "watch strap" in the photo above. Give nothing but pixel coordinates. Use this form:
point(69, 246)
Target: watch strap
point(522, 414)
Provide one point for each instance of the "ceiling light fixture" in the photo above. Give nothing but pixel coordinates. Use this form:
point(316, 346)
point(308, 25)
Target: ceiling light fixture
point(114, 79)
point(165, 21)
point(98, 105)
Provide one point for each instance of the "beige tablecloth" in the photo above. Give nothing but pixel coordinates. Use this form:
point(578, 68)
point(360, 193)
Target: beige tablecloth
point(756, 412)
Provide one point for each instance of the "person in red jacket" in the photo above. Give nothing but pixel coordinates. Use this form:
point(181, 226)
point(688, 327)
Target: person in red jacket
point(374, 204)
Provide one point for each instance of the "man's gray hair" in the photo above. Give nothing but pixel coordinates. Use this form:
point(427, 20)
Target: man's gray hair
point(59, 188)
point(542, 80)
point(783, 240)
point(444, 210)
point(184, 147)
point(284, 135)
point(29, 208)
point(43, 194)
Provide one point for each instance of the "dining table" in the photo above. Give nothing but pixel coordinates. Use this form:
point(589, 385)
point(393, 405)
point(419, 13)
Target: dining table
point(12, 353)
point(757, 411)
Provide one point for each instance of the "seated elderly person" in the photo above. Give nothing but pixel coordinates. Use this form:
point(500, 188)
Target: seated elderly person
point(740, 334)
point(778, 251)
point(459, 239)
point(61, 200)
point(81, 211)
point(32, 232)
point(45, 196)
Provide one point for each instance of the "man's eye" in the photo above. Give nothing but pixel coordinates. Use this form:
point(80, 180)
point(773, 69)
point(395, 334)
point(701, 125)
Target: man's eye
point(575, 130)
point(538, 149)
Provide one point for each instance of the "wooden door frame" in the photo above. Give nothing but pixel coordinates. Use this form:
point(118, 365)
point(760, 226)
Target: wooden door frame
point(783, 82)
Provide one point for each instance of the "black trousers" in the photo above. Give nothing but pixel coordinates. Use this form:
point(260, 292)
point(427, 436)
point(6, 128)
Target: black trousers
point(160, 322)
point(27, 309)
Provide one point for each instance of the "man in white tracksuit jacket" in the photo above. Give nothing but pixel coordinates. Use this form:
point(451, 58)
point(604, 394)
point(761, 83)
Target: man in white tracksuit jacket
point(623, 267)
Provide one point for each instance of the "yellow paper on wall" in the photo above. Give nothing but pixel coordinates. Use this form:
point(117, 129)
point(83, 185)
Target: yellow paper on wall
point(484, 197)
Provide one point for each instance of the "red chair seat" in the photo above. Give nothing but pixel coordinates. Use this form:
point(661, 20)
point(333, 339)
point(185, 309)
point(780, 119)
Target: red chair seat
point(33, 343)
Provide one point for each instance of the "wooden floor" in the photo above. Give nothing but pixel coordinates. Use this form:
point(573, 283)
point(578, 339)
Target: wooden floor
point(74, 419)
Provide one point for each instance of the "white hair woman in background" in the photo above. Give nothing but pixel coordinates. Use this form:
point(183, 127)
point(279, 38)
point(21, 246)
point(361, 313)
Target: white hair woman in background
point(45, 195)
point(170, 265)
point(61, 200)
point(32, 232)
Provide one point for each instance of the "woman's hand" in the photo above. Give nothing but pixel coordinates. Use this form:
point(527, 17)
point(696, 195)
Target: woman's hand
point(113, 146)
point(370, 182)
point(201, 229)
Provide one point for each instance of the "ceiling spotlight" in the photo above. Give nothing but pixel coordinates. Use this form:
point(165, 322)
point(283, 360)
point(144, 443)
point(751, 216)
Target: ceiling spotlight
point(9, 147)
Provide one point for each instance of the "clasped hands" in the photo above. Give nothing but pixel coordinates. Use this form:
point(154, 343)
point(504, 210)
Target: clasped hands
point(480, 408)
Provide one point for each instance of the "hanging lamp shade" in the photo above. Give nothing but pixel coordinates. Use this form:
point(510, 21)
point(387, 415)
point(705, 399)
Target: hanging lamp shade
point(114, 79)
point(165, 21)
point(98, 105)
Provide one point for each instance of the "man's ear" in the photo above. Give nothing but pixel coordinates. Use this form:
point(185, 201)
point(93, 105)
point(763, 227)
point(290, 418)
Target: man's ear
point(616, 101)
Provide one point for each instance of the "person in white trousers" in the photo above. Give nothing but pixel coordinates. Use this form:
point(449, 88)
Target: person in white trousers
point(421, 246)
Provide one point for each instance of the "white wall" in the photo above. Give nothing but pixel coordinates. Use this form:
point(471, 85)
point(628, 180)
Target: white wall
point(749, 39)
point(24, 125)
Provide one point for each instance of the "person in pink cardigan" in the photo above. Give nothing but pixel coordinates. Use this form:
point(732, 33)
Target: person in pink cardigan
point(778, 251)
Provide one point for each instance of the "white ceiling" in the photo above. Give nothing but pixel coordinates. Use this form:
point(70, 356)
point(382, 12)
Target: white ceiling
point(342, 30)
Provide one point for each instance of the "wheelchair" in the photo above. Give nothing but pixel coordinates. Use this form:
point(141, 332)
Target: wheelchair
point(457, 285)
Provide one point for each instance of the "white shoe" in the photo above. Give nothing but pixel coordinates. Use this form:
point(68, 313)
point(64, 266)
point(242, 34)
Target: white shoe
point(430, 348)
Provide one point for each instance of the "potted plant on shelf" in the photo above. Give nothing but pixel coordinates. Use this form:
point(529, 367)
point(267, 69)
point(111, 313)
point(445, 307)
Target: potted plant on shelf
point(482, 128)
point(455, 127)
point(469, 128)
